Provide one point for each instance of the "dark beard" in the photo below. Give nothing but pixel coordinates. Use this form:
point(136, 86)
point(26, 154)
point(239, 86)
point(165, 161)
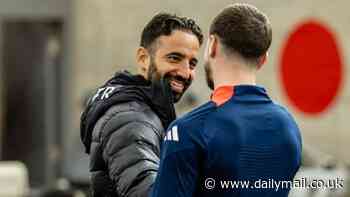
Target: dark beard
point(209, 75)
point(153, 74)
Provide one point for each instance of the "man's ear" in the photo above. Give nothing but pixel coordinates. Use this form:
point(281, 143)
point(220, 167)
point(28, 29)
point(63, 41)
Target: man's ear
point(262, 60)
point(143, 60)
point(213, 46)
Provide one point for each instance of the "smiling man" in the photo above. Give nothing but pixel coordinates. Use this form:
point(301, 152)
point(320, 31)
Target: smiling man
point(123, 124)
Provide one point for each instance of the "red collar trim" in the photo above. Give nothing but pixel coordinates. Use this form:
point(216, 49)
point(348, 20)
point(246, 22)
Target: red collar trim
point(222, 94)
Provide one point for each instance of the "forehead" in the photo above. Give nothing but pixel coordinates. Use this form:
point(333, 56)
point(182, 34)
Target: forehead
point(178, 41)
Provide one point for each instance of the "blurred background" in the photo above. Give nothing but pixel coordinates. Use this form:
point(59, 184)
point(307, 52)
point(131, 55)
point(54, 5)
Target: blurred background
point(54, 53)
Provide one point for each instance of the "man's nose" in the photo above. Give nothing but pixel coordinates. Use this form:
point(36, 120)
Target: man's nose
point(184, 71)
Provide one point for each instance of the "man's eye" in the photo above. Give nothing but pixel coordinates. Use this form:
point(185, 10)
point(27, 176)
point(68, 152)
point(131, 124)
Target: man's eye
point(174, 58)
point(193, 64)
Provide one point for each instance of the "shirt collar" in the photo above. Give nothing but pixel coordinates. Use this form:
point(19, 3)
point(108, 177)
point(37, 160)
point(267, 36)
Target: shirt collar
point(223, 93)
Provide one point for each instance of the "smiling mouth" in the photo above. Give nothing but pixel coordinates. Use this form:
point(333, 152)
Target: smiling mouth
point(177, 86)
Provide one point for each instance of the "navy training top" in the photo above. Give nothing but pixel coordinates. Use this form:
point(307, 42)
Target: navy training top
point(239, 144)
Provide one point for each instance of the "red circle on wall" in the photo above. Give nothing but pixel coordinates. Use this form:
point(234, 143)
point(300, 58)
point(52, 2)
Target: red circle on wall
point(311, 67)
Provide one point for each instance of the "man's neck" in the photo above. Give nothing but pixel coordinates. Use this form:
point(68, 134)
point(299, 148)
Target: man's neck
point(234, 74)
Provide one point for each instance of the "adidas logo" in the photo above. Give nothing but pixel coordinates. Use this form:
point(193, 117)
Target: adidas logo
point(172, 135)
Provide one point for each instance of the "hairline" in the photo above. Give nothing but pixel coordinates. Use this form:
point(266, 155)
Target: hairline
point(154, 46)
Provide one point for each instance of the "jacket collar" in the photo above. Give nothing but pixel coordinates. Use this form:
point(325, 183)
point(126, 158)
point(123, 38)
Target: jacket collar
point(157, 94)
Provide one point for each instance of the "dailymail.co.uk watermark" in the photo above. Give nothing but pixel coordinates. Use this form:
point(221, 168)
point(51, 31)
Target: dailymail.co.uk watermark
point(337, 183)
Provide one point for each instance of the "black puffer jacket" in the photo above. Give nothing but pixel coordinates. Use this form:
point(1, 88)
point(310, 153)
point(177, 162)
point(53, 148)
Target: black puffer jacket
point(122, 128)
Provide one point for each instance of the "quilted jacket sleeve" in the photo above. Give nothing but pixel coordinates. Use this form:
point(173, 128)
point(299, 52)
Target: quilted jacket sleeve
point(131, 148)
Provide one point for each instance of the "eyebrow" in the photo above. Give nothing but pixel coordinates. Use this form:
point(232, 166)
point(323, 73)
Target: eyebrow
point(176, 53)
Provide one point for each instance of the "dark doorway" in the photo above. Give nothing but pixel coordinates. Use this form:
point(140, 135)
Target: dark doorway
point(31, 68)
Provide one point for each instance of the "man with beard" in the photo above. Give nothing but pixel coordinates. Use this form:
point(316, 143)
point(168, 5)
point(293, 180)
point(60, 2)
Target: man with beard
point(123, 124)
point(241, 136)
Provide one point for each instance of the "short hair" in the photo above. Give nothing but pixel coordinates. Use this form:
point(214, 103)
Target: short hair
point(243, 29)
point(164, 24)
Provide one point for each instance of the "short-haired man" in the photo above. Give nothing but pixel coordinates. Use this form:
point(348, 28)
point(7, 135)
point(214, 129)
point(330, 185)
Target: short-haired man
point(241, 135)
point(123, 124)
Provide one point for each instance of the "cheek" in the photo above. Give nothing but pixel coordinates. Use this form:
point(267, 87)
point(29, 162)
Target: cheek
point(165, 67)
